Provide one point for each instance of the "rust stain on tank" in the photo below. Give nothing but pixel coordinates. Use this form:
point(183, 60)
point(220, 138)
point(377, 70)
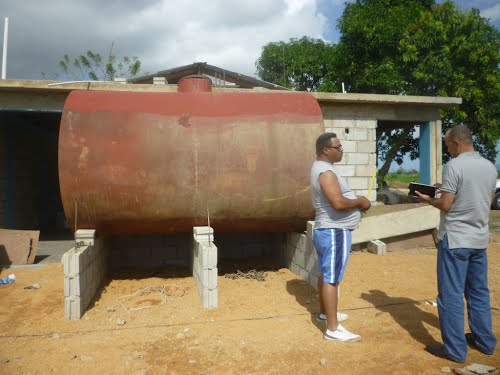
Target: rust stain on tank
point(184, 120)
point(154, 162)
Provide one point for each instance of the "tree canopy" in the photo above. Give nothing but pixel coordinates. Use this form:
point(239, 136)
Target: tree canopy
point(368, 58)
point(303, 64)
point(439, 50)
point(92, 66)
point(449, 52)
point(403, 47)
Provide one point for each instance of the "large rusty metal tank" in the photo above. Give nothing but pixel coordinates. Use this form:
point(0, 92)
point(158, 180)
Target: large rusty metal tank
point(160, 162)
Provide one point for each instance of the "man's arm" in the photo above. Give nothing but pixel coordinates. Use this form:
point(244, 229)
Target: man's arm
point(330, 185)
point(443, 203)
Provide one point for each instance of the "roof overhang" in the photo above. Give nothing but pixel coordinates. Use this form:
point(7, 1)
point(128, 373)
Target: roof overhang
point(429, 101)
point(39, 95)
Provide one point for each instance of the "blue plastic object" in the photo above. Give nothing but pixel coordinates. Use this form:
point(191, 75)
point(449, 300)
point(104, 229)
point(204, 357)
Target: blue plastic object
point(8, 280)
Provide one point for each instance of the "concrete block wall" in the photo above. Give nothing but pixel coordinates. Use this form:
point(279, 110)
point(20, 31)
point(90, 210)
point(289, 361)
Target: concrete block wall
point(204, 266)
point(249, 245)
point(300, 255)
point(149, 251)
point(84, 273)
point(358, 138)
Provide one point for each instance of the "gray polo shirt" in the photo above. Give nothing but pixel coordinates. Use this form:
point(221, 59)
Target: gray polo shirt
point(326, 215)
point(472, 179)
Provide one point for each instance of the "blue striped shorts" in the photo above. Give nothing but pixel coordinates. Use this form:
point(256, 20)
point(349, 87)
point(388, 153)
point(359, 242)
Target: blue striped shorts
point(333, 247)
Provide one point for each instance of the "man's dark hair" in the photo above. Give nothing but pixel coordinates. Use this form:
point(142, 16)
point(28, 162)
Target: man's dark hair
point(324, 140)
point(461, 132)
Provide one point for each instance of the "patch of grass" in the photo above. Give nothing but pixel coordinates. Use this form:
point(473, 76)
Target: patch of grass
point(402, 177)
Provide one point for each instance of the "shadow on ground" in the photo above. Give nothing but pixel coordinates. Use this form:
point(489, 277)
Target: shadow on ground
point(406, 313)
point(305, 296)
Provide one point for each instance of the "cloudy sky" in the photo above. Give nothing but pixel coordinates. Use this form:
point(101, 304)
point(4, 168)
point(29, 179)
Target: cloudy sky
point(167, 33)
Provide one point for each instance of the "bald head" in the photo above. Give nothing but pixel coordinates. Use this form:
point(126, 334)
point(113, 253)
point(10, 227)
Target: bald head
point(460, 132)
point(458, 140)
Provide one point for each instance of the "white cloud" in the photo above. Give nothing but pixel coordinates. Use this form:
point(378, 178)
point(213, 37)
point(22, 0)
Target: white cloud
point(492, 13)
point(162, 33)
point(340, 3)
point(213, 35)
point(295, 6)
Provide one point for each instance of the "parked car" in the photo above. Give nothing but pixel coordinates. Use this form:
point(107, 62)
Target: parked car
point(496, 201)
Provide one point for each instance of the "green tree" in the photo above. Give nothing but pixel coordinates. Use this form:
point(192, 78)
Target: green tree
point(303, 64)
point(417, 47)
point(92, 66)
point(368, 52)
point(449, 52)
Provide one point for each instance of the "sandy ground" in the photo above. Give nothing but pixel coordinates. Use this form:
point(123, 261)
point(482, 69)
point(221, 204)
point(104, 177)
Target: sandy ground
point(266, 327)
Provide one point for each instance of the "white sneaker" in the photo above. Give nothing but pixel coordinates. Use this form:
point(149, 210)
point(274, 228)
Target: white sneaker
point(341, 317)
point(341, 334)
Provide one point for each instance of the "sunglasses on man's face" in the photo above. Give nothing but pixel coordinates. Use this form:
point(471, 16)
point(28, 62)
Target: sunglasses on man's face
point(339, 147)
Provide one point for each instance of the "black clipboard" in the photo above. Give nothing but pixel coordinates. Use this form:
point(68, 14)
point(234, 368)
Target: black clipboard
point(421, 188)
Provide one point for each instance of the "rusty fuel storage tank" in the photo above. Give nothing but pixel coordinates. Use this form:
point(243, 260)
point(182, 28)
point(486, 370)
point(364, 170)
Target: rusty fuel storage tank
point(159, 162)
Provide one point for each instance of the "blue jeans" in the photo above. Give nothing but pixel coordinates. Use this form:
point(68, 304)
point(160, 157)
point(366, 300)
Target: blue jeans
point(463, 271)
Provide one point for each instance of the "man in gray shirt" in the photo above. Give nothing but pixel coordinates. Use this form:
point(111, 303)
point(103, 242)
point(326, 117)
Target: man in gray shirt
point(462, 266)
point(337, 214)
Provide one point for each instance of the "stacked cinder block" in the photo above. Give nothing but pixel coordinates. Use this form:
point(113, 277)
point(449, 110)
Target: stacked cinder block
point(300, 255)
point(84, 272)
point(204, 266)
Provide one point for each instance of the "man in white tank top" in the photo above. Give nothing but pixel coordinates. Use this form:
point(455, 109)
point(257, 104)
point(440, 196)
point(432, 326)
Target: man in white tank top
point(337, 214)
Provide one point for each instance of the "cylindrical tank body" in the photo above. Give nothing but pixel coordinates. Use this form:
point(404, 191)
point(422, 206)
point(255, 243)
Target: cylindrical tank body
point(142, 162)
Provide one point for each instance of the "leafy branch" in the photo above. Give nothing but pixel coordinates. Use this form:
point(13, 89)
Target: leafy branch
point(91, 66)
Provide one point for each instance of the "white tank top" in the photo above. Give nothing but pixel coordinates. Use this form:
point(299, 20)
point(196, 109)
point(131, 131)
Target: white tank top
point(326, 215)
